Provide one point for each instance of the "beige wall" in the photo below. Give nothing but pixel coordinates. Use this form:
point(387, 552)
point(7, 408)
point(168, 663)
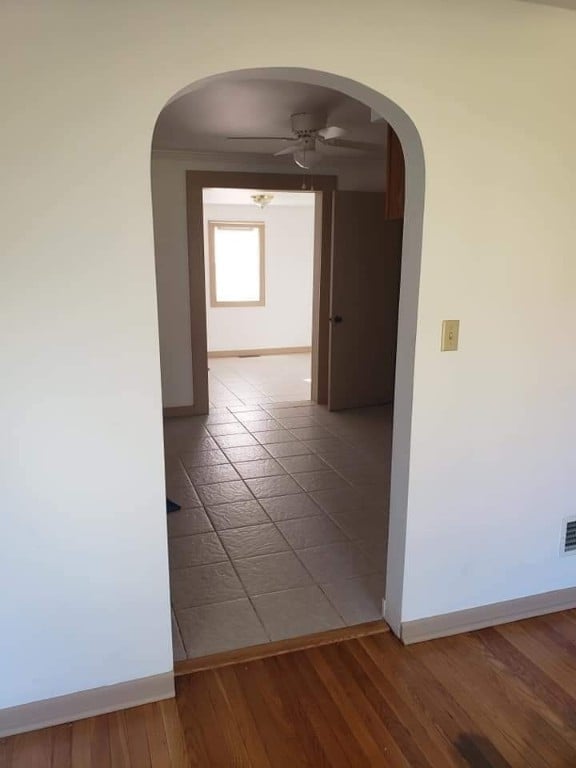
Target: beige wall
point(489, 85)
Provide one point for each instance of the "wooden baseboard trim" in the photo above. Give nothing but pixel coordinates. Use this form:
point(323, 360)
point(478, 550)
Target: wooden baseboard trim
point(277, 648)
point(287, 404)
point(487, 616)
point(77, 706)
point(260, 352)
point(178, 411)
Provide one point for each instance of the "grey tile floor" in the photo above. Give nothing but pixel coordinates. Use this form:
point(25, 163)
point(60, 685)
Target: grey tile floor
point(283, 526)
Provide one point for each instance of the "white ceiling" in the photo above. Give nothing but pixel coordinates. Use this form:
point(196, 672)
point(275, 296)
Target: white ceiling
point(201, 120)
point(243, 197)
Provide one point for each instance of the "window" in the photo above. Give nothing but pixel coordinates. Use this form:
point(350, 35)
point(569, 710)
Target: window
point(236, 252)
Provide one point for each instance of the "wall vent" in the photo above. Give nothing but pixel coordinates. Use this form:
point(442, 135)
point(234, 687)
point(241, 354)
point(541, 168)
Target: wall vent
point(570, 535)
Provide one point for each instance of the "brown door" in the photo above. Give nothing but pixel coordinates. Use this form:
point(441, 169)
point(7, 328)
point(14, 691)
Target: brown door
point(366, 251)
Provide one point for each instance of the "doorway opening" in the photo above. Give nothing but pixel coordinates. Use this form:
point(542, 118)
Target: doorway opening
point(293, 513)
point(259, 264)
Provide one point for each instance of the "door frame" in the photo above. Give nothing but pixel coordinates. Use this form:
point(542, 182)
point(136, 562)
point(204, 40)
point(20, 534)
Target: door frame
point(323, 186)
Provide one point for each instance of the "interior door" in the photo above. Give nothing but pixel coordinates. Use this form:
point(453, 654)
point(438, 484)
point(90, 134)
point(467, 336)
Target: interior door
point(366, 252)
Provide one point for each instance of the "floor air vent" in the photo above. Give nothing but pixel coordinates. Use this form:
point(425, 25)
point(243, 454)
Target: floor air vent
point(570, 536)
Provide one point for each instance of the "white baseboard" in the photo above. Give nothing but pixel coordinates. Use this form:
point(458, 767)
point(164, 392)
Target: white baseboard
point(76, 706)
point(487, 615)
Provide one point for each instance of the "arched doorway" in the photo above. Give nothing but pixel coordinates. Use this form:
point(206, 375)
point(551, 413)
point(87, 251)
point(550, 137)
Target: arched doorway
point(411, 252)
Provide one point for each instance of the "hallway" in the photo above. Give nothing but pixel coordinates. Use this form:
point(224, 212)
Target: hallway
point(283, 524)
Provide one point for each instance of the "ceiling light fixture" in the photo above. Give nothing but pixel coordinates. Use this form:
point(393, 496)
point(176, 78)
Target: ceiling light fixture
point(307, 158)
point(262, 200)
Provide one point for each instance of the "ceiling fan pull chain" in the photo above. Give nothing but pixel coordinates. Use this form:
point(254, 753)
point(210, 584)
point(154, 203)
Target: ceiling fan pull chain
point(310, 178)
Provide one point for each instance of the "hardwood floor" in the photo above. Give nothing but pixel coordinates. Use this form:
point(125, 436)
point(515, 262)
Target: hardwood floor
point(502, 697)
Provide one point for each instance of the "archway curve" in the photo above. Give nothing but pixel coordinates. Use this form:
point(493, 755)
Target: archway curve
point(409, 287)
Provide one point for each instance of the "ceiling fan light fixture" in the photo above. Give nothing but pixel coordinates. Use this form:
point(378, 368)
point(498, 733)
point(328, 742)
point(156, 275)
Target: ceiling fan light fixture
point(307, 158)
point(262, 200)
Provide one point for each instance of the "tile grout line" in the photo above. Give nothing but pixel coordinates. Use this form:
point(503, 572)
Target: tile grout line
point(289, 545)
point(180, 634)
point(248, 596)
point(246, 592)
point(232, 563)
point(219, 602)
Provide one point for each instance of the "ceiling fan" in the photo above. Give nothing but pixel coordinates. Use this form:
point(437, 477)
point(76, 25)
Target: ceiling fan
point(310, 135)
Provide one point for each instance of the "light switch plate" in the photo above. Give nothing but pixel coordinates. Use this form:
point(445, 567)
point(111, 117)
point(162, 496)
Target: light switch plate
point(450, 331)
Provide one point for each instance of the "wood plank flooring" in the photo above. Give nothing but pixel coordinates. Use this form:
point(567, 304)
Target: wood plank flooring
point(498, 698)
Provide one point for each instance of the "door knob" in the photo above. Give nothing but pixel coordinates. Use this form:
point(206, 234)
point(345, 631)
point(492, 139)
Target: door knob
point(336, 319)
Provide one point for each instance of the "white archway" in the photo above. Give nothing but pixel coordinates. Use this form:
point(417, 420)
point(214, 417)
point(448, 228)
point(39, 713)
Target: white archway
point(408, 304)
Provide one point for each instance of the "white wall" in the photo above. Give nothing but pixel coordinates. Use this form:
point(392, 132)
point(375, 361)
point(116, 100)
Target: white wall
point(489, 84)
point(171, 246)
point(286, 318)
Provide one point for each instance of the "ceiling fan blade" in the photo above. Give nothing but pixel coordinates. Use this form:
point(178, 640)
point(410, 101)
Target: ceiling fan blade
point(332, 132)
point(261, 138)
point(363, 146)
point(288, 150)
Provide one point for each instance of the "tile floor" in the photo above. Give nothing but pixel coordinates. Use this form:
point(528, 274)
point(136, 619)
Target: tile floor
point(283, 524)
point(266, 379)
